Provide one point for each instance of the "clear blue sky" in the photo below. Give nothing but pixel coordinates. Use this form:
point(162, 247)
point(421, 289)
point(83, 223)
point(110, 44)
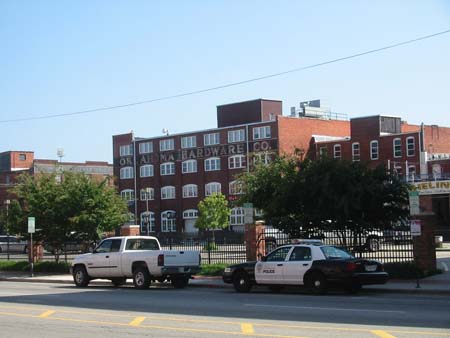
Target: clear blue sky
point(66, 56)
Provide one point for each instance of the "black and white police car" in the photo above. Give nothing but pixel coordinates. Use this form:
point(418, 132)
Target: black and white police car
point(309, 263)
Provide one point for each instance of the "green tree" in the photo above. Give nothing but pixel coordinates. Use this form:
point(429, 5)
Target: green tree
point(74, 208)
point(326, 194)
point(214, 213)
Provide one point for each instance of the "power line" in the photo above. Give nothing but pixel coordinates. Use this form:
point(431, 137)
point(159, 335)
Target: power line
point(164, 98)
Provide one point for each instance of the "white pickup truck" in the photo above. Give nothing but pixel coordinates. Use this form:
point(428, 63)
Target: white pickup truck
point(137, 257)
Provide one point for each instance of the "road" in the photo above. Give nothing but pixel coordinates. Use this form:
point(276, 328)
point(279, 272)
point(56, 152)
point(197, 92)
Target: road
point(63, 311)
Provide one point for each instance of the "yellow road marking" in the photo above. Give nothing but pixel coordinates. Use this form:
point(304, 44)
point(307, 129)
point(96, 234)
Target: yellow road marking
point(137, 321)
point(168, 318)
point(247, 328)
point(382, 334)
point(46, 314)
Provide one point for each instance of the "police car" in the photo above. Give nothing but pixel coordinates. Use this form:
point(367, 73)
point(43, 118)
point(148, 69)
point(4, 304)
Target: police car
point(309, 263)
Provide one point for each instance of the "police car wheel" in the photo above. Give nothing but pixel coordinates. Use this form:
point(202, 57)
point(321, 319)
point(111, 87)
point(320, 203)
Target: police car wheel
point(241, 282)
point(316, 283)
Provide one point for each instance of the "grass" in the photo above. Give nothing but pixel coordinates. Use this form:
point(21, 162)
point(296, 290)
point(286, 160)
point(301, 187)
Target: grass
point(213, 269)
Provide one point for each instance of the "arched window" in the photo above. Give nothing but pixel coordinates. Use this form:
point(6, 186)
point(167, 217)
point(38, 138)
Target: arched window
point(236, 161)
point(213, 188)
point(147, 222)
point(126, 173)
point(167, 168)
point(168, 192)
point(189, 166)
point(190, 190)
point(397, 147)
point(127, 194)
point(237, 216)
point(374, 150)
point(147, 194)
point(212, 164)
point(410, 146)
point(146, 170)
point(168, 221)
point(235, 188)
point(190, 214)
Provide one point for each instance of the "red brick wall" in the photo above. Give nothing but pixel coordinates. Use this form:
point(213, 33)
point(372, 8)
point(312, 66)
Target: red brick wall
point(17, 163)
point(297, 132)
point(437, 139)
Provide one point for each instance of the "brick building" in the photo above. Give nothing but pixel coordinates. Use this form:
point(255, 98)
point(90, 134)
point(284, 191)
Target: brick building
point(421, 154)
point(14, 163)
point(165, 177)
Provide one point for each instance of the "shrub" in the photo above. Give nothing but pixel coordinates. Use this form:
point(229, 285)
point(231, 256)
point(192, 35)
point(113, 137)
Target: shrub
point(61, 267)
point(407, 270)
point(213, 269)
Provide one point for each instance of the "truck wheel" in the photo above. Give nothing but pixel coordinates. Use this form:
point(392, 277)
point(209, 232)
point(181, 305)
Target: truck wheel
point(180, 282)
point(241, 282)
point(118, 281)
point(80, 276)
point(316, 283)
point(141, 278)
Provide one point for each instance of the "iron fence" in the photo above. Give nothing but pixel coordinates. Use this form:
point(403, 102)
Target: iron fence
point(387, 246)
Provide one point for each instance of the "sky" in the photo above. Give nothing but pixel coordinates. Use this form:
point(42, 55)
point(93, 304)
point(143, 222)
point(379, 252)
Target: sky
point(59, 57)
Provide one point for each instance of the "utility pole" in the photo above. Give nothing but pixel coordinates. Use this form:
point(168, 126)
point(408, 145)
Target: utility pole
point(7, 202)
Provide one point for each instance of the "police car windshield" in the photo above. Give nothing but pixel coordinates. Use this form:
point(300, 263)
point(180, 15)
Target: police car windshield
point(332, 252)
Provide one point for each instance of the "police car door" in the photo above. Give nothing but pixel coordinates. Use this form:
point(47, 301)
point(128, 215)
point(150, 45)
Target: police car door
point(299, 261)
point(270, 269)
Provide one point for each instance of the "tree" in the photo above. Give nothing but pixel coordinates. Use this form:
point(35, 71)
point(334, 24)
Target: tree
point(74, 208)
point(326, 194)
point(214, 213)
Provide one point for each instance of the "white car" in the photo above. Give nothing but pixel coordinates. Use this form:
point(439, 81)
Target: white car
point(14, 245)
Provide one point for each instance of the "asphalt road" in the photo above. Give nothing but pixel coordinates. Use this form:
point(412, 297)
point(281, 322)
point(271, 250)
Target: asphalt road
point(53, 310)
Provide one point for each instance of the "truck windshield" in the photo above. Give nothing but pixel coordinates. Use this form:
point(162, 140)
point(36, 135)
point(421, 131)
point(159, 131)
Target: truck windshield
point(142, 244)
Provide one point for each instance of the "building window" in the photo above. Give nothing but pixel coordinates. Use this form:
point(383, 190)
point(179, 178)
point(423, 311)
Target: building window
point(337, 151)
point(211, 139)
point(323, 152)
point(145, 148)
point(237, 216)
point(146, 170)
point(236, 188)
point(213, 188)
point(22, 157)
point(147, 194)
point(168, 221)
point(168, 192)
point(127, 194)
point(397, 144)
point(436, 169)
point(126, 150)
point(167, 168)
point(261, 132)
point(398, 170)
point(411, 172)
point(189, 142)
point(167, 144)
point(410, 146)
point(236, 161)
point(190, 214)
point(189, 166)
point(147, 218)
point(261, 158)
point(356, 155)
point(212, 164)
point(190, 190)
point(374, 150)
point(126, 173)
point(236, 136)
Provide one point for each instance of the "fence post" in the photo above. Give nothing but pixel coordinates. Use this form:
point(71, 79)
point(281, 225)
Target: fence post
point(208, 246)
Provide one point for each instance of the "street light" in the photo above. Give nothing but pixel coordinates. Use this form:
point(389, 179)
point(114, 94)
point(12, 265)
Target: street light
point(7, 202)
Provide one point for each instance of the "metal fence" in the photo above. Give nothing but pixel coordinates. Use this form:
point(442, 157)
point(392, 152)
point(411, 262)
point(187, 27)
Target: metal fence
point(387, 246)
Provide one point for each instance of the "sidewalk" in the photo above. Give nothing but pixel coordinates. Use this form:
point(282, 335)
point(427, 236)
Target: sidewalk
point(434, 285)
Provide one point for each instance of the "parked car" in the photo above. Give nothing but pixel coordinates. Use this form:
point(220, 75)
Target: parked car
point(15, 244)
point(69, 247)
point(137, 257)
point(312, 264)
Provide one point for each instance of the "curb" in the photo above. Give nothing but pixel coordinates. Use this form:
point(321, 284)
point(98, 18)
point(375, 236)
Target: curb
point(417, 291)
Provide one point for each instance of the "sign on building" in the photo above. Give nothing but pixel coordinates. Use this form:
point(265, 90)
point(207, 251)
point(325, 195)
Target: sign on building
point(416, 227)
point(414, 208)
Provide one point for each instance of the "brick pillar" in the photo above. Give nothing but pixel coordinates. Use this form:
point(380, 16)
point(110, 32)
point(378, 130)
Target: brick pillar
point(38, 251)
point(423, 245)
point(129, 230)
point(254, 241)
